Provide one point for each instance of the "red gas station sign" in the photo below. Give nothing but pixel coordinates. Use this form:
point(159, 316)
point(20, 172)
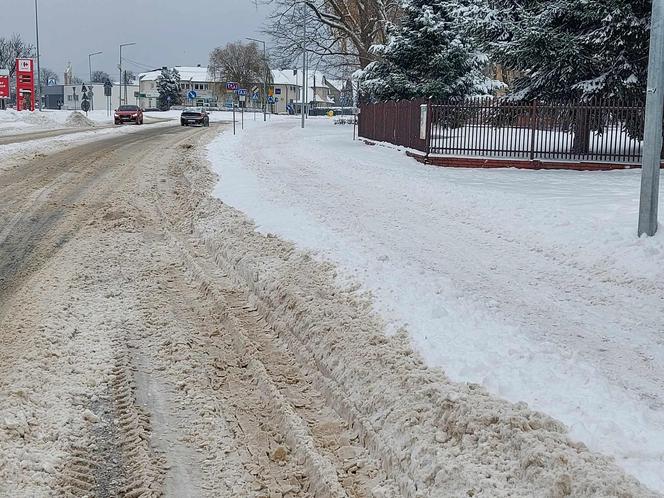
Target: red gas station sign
point(25, 85)
point(4, 84)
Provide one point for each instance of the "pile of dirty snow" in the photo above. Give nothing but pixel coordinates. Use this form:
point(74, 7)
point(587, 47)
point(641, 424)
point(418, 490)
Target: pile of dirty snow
point(78, 120)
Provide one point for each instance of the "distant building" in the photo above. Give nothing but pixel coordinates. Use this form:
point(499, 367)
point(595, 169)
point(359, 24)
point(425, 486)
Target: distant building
point(53, 96)
point(341, 91)
point(196, 79)
point(287, 90)
point(72, 96)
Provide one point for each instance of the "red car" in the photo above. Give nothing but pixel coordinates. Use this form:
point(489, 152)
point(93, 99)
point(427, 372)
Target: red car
point(129, 114)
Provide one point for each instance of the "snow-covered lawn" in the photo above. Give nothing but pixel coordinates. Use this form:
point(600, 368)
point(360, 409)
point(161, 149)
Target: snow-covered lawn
point(530, 283)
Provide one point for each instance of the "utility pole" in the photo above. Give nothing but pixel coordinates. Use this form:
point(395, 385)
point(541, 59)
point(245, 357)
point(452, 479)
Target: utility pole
point(267, 69)
point(652, 140)
point(38, 92)
point(120, 68)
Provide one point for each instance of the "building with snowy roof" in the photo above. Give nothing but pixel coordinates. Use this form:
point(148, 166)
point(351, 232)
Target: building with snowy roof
point(196, 78)
point(287, 89)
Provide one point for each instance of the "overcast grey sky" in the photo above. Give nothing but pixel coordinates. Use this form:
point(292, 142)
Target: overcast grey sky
point(167, 32)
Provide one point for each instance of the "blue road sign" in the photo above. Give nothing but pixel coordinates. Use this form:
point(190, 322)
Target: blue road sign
point(191, 95)
point(271, 100)
point(241, 92)
point(232, 86)
point(254, 96)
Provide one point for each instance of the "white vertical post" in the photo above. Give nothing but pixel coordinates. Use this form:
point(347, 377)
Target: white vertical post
point(652, 139)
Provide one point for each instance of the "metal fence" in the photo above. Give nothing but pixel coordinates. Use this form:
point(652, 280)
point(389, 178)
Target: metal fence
point(596, 131)
point(394, 122)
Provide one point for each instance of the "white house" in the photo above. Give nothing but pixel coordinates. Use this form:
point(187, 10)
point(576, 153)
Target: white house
point(196, 79)
point(287, 89)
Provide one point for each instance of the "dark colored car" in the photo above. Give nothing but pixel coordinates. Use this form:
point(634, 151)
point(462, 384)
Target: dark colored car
point(194, 115)
point(129, 114)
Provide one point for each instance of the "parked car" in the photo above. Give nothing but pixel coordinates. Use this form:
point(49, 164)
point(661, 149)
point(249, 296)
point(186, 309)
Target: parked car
point(194, 115)
point(129, 114)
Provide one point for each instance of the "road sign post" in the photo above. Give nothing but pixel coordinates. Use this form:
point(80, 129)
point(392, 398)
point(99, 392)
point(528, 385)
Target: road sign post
point(108, 91)
point(242, 98)
point(254, 99)
point(85, 103)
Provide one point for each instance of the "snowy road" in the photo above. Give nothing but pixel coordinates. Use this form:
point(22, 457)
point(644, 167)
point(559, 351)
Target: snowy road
point(152, 343)
point(130, 363)
point(529, 283)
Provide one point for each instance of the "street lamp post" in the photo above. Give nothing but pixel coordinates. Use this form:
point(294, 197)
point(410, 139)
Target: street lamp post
point(92, 100)
point(90, 63)
point(38, 65)
point(120, 68)
point(266, 76)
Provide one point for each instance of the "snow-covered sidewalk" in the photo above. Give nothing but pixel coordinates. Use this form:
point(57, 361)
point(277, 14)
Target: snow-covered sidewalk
point(530, 283)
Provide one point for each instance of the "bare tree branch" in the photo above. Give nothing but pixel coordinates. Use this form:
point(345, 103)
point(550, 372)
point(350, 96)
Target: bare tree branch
point(345, 29)
point(12, 48)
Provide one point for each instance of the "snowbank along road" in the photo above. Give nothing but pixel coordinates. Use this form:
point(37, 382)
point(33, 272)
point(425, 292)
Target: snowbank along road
point(153, 343)
point(532, 284)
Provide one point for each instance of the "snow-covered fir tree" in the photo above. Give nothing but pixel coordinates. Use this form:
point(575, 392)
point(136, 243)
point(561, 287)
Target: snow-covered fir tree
point(568, 49)
point(429, 55)
point(168, 86)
